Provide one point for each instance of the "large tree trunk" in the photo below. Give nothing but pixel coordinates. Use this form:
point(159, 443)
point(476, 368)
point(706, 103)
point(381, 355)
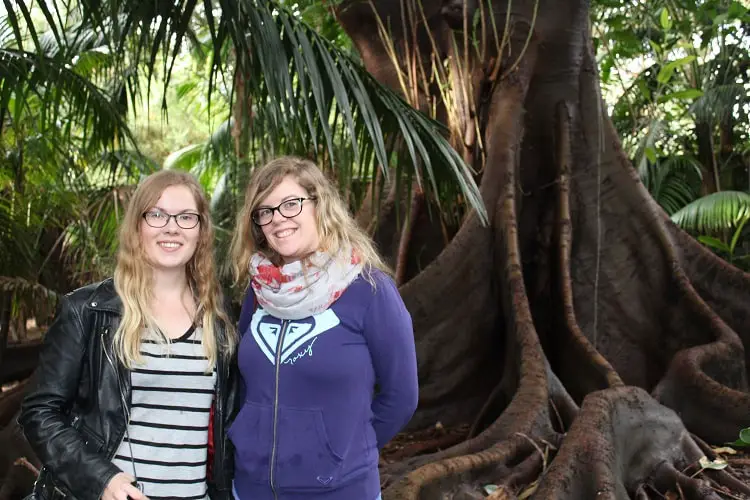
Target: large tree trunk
point(582, 334)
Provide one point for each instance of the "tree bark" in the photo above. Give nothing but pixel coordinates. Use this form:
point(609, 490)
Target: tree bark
point(592, 345)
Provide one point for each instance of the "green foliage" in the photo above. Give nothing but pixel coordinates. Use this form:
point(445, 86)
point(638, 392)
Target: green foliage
point(724, 210)
point(674, 63)
point(313, 93)
point(720, 221)
point(675, 75)
point(673, 181)
point(70, 100)
point(308, 95)
point(70, 79)
point(744, 439)
point(64, 145)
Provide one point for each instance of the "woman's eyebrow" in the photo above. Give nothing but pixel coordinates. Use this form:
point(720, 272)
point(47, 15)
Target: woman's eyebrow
point(285, 198)
point(193, 210)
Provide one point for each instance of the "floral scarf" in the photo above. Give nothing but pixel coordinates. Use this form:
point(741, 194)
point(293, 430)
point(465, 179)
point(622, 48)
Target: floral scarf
point(305, 287)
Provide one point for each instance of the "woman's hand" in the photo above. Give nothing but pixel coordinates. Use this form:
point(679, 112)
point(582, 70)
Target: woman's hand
point(120, 487)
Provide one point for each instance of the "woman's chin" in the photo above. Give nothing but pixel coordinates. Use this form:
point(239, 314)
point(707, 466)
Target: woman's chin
point(290, 258)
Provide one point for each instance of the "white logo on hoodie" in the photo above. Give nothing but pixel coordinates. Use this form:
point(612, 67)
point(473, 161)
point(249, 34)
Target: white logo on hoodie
point(266, 331)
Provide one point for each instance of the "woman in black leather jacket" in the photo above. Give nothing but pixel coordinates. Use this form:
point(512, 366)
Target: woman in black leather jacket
point(136, 383)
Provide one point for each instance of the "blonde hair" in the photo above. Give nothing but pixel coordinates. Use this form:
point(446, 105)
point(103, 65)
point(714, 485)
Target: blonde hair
point(133, 276)
point(336, 228)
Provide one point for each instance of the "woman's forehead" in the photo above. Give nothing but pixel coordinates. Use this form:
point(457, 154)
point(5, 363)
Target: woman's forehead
point(177, 198)
point(289, 187)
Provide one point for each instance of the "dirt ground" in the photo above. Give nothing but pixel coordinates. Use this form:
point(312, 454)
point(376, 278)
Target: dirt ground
point(438, 438)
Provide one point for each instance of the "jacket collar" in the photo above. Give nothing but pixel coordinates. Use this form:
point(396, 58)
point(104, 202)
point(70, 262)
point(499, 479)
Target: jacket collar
point(105, 298)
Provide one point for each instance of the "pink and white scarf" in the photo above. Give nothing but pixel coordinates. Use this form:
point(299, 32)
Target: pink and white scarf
point(305, 287)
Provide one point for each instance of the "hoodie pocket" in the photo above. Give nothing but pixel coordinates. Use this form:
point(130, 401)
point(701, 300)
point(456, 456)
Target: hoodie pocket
point(252, 434)
point(304, 457)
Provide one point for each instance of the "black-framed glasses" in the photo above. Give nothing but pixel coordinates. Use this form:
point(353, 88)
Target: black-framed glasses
point(158, 218)
point(287, 208)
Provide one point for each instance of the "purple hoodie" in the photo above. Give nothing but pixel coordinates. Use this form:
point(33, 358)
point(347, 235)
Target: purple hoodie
point(311, 423)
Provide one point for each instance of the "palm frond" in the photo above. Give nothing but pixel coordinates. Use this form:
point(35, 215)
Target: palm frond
point(16, 244)
point(28, 290)
point(221, 140)
point(675, 182)
point(305, 88)
point(68, 97)
point(645, 153)
point(185, 158)
point(211, 162)
point(91, 238)
point(20, 21)
point(7, 35)
point(714, 212)
point(122, 165)
point(309, 97)
point(718, 102)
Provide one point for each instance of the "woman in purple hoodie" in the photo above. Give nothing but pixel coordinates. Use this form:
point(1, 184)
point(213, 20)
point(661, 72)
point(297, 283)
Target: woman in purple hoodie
point(327, 352)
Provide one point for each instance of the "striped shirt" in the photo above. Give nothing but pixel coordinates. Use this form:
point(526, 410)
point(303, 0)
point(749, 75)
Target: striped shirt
point(168, 429)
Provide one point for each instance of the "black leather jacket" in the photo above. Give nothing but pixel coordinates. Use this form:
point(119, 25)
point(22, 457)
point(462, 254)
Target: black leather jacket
point(73, 415)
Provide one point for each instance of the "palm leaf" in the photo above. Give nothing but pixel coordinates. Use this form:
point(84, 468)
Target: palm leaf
point(718, 102)
point(7, 33)
point(646, 144)
point(68, 97)
point(714, 212)
point(16, 244)
point(309, 88)
point(27, 290)
point(211, 162)
point(309, 96)
point(185, 158)
point(91, 237)
point(121, 165)
point(675, 182)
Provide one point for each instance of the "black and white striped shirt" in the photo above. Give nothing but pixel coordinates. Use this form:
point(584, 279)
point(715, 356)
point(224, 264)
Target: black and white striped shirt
point(168, 429)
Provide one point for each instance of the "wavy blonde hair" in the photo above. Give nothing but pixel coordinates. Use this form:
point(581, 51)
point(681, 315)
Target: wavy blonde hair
point(133, 276)
point(336, 228)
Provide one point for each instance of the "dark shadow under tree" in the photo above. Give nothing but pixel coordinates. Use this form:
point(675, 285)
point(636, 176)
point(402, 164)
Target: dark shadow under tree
point(592, 345)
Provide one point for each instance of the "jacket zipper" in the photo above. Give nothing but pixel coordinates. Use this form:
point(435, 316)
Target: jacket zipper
point(279, 345)
point(219, 425)
point(122, 397)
